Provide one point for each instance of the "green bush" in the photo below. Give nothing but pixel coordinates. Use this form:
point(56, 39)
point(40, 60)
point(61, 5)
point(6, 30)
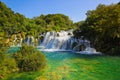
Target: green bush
point(7, 64)
point(29, 59)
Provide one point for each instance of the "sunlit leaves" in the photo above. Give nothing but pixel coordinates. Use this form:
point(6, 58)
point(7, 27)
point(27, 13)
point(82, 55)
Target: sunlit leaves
point(102, 28)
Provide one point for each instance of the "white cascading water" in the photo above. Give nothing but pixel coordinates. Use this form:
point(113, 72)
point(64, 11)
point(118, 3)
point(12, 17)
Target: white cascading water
point(63, 41)
point(59, 41)
point(89, 50)
point(19, 44)
point(30, 40)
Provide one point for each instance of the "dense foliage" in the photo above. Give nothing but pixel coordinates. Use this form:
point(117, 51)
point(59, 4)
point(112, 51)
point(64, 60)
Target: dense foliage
point(14, 25)
point(11, 23)
point(102, 28)
point(54, 22)
point(29, 59)
point(7, 64)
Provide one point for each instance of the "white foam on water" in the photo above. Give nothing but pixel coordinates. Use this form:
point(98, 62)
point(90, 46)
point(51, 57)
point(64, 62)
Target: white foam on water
point(89, 50)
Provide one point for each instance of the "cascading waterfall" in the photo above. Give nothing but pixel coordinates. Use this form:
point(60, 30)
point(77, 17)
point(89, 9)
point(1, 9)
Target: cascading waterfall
point(30, 40)
point(62, 41)
point(20, 42)
point(65, 41)
point(59, 41)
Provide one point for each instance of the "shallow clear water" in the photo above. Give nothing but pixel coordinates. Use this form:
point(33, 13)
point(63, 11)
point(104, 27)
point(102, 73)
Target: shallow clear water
point(74, 66)
point(58, 55)
point(13, 49)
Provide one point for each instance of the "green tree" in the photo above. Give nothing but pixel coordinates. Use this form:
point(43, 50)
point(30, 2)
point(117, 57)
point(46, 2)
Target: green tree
point(102, 28)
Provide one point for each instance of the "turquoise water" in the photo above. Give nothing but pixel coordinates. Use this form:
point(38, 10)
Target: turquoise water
point(74, 66)
point(13, 49)
point(57, 55)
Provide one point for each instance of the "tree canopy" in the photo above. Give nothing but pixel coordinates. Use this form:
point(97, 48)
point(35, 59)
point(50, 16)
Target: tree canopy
point(102, 28)
point(12, 23)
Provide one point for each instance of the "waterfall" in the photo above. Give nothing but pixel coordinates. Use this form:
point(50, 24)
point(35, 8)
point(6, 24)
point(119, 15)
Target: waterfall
point(20, 43)
point(58, 41)
point(62, 40)
point(30, 40)
point(65, 41)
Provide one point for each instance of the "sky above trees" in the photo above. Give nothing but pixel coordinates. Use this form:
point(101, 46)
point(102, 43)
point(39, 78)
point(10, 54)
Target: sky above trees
point(75, 9)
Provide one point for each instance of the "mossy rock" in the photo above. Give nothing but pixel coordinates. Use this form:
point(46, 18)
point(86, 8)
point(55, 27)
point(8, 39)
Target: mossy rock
point(74, 44)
